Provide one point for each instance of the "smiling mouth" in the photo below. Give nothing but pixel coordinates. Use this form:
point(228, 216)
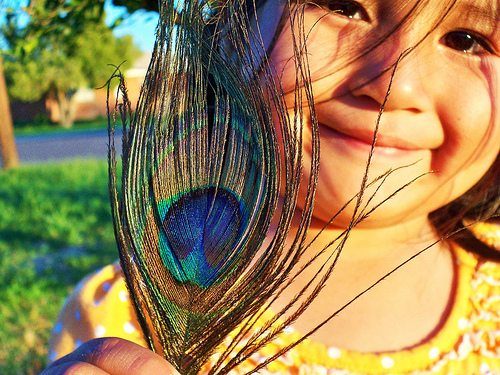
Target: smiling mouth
point(363, 141)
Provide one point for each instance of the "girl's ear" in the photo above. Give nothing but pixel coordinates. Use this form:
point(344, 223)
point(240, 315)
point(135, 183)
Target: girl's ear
point(265, 17)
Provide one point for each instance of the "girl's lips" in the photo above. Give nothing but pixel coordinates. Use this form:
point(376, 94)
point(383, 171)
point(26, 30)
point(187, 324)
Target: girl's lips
point(363, 140)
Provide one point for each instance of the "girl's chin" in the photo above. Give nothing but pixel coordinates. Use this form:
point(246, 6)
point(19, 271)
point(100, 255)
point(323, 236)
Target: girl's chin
point(398, 196)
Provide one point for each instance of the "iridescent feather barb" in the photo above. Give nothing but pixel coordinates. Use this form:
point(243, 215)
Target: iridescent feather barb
point(201, 180)
point(201, 177)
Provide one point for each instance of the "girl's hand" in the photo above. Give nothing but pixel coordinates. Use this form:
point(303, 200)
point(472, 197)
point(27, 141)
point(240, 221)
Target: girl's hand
point(110, 356)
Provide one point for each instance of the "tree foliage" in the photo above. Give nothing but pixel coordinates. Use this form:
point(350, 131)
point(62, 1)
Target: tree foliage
point(64, 46)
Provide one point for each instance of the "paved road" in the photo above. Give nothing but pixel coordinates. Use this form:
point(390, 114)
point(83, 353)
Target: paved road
point(62, 146)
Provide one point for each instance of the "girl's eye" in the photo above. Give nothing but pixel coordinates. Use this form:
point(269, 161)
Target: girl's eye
point(466, 42)
point(346, 8)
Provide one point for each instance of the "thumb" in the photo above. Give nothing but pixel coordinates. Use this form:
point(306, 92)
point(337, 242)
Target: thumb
point(111, 356)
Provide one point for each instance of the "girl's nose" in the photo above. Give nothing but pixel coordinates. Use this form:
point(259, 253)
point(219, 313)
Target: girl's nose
point(401, 72)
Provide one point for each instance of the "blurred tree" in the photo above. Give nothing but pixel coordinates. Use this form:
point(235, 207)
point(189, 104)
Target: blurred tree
point(64, 46)
point(7, 143)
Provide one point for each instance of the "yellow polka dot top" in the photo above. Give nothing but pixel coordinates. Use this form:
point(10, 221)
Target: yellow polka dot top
point(467, 344)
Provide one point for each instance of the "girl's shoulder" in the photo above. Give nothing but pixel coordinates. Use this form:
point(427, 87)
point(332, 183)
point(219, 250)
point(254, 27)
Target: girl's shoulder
point(98, 306)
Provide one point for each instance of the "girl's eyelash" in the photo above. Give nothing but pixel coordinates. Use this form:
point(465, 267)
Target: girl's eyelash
point(346, 8)
point(467, 42)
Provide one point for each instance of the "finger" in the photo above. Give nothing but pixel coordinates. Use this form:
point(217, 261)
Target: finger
point(122, 357)
point(73, 368)
point(116, 356)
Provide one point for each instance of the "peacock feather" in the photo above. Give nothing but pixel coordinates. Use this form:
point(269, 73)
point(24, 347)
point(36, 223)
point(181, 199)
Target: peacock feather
point(201, 179)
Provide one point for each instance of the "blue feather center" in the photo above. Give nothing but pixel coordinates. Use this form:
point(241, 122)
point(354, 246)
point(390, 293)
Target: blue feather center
point(201, 230)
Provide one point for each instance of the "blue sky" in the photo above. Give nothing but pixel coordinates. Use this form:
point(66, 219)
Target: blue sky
point(141, 25)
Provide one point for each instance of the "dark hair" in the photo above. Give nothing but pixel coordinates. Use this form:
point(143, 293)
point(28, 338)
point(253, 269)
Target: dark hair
point(480, 203)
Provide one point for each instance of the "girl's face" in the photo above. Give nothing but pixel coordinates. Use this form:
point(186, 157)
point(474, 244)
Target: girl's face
point(441, 119)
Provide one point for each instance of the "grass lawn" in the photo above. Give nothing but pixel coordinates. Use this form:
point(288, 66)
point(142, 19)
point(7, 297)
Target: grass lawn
point(55, 227)
point(47, 127)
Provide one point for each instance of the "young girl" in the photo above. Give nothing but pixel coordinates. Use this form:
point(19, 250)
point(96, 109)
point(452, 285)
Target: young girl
point(439, 314)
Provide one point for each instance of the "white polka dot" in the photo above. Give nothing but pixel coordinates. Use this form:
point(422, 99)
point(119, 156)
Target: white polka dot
point(123, 295)
point(288, 330)
point(106, 286)
point(128, 327)
point(79, 286)
point(463, 323)
point(58, 327)
point(387, 362)
point(99, 331)
point(434, 353)
point(484, 368)
point(52, 356)
point(77, 315)
point(78, 342)
point(334, 353)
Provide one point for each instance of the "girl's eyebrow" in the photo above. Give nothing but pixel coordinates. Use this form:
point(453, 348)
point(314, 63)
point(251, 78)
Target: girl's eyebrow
point(482, 13)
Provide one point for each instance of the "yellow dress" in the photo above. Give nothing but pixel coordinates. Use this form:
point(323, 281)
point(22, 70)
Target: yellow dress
point(467, 344)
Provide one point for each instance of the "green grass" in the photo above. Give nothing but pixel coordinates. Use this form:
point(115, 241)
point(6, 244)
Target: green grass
point(55, 227)
point(46, 127)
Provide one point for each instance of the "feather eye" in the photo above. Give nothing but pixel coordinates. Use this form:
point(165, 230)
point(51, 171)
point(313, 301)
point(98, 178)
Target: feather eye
point(200, 229)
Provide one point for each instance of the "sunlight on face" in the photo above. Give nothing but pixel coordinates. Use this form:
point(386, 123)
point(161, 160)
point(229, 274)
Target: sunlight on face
point(441, 119)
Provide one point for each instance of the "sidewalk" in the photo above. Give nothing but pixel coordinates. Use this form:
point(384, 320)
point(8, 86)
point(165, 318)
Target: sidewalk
point(63, 146)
